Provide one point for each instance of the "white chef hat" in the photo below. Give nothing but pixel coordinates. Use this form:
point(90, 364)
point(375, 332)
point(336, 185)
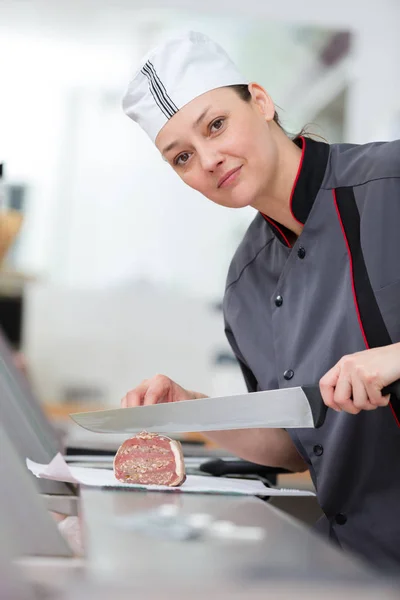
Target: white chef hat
point(172, 75)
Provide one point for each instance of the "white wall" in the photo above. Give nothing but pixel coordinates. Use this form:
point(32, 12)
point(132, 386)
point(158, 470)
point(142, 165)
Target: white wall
point(41, 78)
point(110, 340)
point(373, 98)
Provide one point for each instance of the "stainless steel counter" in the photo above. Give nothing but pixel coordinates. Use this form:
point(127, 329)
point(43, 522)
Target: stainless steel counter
point(288, 562)
point(289, 553)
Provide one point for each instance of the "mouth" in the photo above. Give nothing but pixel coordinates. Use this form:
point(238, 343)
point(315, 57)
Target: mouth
point(229, 177)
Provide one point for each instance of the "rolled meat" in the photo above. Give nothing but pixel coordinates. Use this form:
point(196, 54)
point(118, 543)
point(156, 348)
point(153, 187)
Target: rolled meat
point(150, 459)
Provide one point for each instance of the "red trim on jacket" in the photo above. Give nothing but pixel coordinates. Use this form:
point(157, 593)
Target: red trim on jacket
point(276, 227)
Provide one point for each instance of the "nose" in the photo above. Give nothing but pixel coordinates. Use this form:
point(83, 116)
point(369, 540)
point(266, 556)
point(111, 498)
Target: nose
point(210, 158)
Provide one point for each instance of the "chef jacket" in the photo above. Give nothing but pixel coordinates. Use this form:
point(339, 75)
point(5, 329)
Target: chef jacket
point(291, 313)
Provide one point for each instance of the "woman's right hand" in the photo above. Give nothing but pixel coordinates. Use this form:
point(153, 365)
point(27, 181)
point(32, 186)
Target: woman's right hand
point(156, 390)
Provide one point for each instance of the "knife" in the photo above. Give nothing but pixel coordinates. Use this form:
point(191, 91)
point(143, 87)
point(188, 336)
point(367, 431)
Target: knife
point(285, 408)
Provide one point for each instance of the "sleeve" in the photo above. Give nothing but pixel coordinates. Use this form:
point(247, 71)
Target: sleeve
point(249, 377)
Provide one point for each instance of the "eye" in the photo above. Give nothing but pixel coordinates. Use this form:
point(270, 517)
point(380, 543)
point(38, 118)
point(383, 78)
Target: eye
point(217, 124)
point(182, 159)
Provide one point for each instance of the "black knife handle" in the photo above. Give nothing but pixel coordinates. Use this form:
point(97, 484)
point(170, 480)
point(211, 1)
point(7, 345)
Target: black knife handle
point(393, 388)
point(318, 408)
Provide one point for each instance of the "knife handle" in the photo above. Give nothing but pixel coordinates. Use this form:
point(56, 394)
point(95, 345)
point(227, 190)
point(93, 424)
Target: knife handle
point(393, 388)
point(319, 409)
point(317, 405)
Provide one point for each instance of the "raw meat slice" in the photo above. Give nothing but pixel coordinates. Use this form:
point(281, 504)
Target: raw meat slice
point(149, 458)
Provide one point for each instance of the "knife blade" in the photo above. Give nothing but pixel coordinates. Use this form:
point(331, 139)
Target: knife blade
point(287, 408)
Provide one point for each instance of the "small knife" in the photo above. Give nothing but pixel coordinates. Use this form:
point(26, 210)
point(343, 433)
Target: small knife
point(284, 408)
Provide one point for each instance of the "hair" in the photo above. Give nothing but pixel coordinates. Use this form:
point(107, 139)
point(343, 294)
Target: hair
point(242, 90)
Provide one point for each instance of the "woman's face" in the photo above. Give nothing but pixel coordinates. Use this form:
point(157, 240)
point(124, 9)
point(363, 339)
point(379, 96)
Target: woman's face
point(222, 146)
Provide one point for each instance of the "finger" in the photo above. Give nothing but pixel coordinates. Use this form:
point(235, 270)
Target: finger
point(374, 387)
point(157, 392)
point(360, 395)
point(327, 387)
point(135, 397)
point(343, 394)
point(385, 400)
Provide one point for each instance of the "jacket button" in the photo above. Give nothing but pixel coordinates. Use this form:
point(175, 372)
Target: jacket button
point(340, 519)
point(318, 450)
point(301, 252)
point(288, 374)
point(278, 301)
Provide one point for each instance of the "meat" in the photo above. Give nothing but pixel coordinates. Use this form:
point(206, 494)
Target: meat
point(149, 458)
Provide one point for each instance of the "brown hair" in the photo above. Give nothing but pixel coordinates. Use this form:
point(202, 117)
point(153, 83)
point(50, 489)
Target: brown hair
point(242, 89)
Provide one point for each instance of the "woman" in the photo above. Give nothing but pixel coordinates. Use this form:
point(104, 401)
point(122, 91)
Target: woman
point(313, 291)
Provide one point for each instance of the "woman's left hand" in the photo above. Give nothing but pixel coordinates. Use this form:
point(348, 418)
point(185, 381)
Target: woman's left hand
point(356, 381)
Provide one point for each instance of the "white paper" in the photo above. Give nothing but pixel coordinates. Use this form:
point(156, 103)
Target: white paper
point(58, 470)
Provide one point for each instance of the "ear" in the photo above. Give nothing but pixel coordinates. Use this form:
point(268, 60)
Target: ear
point(262, 101)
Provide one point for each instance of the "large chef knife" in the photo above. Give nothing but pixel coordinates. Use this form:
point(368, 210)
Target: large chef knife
point(287, 408)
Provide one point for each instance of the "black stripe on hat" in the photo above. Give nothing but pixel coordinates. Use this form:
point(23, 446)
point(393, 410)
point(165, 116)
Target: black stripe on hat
point(156, 89)
point(155, 95)
point(172, 105)
point(159, 90)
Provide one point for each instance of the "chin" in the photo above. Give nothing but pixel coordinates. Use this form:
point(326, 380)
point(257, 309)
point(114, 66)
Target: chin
point(233, 200)
point(238, 205)
point(239, 201)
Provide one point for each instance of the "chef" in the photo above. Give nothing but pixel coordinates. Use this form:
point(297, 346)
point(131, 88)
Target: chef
point(313, 290)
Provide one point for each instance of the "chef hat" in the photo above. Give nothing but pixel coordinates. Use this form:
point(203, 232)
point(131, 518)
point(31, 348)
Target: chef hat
point(172, 75)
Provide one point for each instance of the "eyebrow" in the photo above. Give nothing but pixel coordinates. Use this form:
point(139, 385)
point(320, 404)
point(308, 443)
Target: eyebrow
point(196, 124)
point(201, 117)
point(169, 147)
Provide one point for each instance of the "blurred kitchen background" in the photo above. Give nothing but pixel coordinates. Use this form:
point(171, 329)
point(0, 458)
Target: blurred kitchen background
point(111, 269)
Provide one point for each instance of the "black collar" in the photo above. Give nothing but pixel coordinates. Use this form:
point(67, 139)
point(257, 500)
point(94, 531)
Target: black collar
point(312, 166)
point(314, 158)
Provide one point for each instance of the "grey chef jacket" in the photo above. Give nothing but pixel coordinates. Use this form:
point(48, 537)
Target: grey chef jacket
point(291, 313)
